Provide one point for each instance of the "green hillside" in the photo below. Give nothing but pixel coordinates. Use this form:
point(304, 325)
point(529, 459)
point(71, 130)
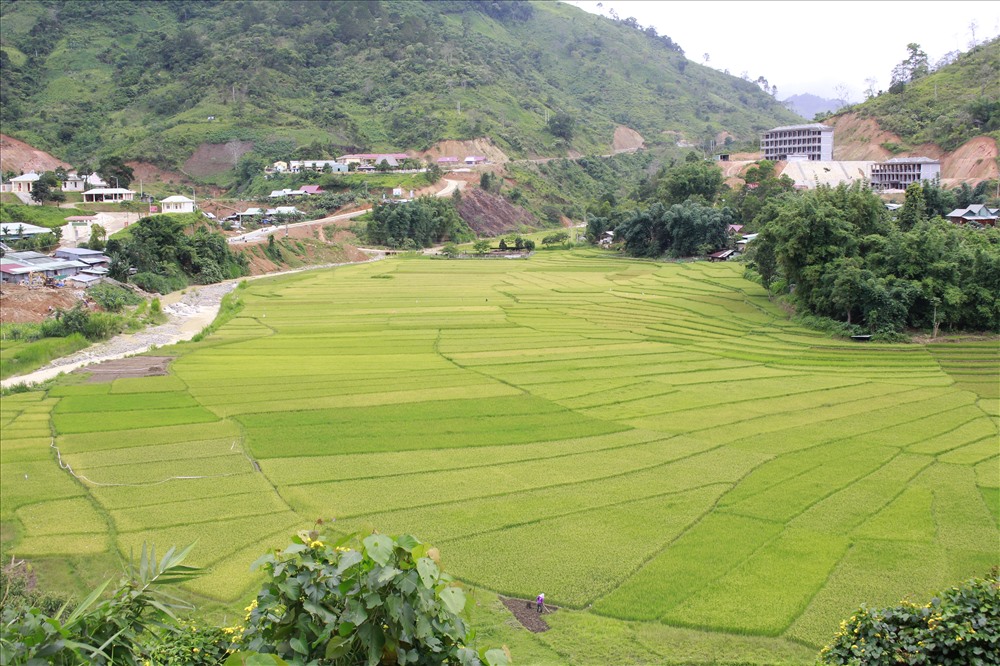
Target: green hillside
point(948, 106)
point(142, 79)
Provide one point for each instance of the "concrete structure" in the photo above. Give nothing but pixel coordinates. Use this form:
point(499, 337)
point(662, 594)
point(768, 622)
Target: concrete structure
point(475, 159)
point(815, 141)
point(979, 213)
point(296, 166)
point(808, 174)
point(899, 172)
point(177, 204)
point(108, 194)
point(25, 182)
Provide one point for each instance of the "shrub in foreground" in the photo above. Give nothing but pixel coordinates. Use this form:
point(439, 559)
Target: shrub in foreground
point(960, 627)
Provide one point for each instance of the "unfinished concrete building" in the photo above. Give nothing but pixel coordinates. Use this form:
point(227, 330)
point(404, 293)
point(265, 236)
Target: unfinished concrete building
point(812, 142)
point(899, 172)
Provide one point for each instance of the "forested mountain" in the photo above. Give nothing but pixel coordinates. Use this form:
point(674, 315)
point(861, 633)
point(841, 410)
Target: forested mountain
point(154, 80)
point(947, 104)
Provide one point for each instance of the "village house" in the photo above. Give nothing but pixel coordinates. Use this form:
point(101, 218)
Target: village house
point(311, 189)
point(76, 183)
point(472, 160)
point(177, 204)
point(979, 213)
point(277, 194)
point(95, 259)
point(108, 195)
point(25, 182)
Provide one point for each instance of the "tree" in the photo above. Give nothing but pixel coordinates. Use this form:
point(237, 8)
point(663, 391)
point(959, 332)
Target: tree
point(97, 235)
point(114, 171)
point(562, 125)
point(914, 210)
point(47, 188)
point(555, 238)
point(481, 246)
point(698, 178)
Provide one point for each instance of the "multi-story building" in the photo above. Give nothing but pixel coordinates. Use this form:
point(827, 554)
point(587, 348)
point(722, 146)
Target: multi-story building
point(812, 142)
point(899, 172)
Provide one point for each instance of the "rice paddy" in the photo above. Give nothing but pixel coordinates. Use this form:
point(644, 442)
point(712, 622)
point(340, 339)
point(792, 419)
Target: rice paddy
point(656, 447)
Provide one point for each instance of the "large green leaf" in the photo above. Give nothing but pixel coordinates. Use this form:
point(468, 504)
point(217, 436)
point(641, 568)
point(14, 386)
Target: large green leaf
point(454, 599)
point(379, 548)
point(428, 571)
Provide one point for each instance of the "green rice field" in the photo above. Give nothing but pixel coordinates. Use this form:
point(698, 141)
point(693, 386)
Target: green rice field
point(689, 475)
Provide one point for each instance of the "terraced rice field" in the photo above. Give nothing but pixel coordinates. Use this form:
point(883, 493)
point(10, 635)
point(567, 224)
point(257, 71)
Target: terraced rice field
point(653, 445)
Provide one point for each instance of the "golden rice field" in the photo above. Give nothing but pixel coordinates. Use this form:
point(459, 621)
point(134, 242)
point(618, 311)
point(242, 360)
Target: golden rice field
point(693, 477)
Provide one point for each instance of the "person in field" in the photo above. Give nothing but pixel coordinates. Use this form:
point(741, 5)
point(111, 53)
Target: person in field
point(540, 601)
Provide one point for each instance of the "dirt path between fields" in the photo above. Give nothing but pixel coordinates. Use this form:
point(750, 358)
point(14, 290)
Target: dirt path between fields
point(187, 313)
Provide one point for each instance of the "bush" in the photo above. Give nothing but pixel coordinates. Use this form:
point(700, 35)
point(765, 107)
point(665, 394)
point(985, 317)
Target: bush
point(158, 284)
point(960, 627)
point(113, 298)
point(374, 600)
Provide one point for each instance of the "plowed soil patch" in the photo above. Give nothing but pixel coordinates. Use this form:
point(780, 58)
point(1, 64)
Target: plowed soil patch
point(136, 366)
point(527, 613)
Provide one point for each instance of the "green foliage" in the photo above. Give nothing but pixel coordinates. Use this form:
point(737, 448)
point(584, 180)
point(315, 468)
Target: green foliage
point(167, 259)
point(556, 238)
point(368, 601)
point(958, 627)
point(114, 630)
point(115, 172)
point(698, 178)
point(423, 222)
point(848, 261)
point(683, 230)
point(481, 246)
point(562, 125)
point(47, 188)
point(113, 298)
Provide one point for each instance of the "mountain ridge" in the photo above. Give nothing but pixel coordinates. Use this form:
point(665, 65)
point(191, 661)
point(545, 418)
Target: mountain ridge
point(164, 78)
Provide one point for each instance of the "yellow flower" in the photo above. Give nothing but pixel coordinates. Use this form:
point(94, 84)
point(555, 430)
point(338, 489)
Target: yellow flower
point(315, 544)
point(195, 650)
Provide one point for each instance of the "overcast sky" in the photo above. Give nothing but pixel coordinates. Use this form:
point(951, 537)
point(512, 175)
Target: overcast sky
point(807, 46)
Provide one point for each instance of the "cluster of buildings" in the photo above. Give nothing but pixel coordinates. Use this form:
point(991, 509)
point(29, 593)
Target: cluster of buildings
point(78, 266)
point(266, 216)
point(807, 151)
point(363, 162)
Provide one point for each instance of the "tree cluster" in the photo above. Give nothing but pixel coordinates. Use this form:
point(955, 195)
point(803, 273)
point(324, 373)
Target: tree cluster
point(160, 257)
point(680, 230)
point(848, 260)
point(420, 223)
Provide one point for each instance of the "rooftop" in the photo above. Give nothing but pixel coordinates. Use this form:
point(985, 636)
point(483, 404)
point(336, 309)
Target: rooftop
point(810, 126)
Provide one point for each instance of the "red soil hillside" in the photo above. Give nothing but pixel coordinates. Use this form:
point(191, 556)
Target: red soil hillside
point(17, 156)
point(856, 138)
point(491, 215)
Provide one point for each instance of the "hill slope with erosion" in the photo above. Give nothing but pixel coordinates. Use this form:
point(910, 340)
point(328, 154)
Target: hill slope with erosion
point(156, 81)
point(951, 114)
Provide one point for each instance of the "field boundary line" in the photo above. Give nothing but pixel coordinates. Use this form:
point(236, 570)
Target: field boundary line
point(554, 485)
point(65, 466)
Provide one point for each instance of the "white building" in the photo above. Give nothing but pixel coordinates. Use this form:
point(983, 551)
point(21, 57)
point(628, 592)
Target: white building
point(76, 183)
point(899, 172)
point(25, 182)
point(296, 166)
point(792, 142)
point(177, 204)
point(108, 194)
